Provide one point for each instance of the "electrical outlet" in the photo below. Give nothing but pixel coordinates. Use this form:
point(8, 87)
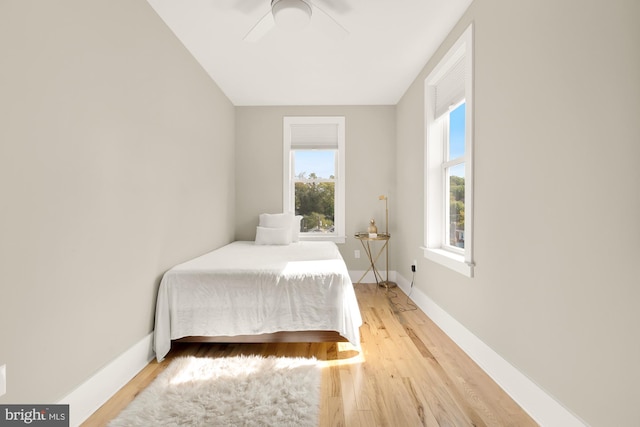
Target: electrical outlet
point(3, 379)
point(356, 253)
point(413, 266)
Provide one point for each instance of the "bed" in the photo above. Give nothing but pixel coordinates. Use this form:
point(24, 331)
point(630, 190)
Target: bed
point(249, 292)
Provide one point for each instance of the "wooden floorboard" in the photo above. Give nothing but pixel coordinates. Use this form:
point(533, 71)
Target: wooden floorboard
point(409, 373)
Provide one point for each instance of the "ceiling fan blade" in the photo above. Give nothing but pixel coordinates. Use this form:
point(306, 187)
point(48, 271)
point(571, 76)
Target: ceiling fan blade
point(262, 27)
point(327, 24)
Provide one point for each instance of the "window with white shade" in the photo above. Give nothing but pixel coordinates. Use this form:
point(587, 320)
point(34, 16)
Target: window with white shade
point(449, 159)
point(314, 175)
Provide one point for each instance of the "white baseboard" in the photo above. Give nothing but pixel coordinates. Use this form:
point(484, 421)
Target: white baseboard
point(541, 406)
point(94, 392)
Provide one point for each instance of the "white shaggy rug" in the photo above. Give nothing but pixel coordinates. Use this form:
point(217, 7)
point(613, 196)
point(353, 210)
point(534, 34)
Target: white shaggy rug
point(229, 391)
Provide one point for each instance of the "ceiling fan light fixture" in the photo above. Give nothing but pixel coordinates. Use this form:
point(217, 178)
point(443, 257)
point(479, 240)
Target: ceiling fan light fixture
point(291, 14)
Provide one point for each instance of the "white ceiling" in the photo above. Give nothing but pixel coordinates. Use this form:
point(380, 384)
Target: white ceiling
point(388, 43)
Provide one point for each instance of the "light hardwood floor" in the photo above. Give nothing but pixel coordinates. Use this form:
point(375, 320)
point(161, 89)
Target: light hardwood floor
point(409, 373)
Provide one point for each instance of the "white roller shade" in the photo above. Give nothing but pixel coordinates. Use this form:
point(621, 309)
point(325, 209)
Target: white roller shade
point(318, 135)
point(449, 90)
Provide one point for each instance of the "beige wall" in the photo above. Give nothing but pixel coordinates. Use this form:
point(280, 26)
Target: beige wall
point(557, 137)
point(370, 155)
point(116, 162)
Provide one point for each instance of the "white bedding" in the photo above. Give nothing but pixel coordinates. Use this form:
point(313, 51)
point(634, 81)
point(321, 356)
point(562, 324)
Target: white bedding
point(249, 289)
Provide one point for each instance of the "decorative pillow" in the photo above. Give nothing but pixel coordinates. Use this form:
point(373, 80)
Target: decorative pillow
point(281, 220)
point(295, 228)
point(273, 236)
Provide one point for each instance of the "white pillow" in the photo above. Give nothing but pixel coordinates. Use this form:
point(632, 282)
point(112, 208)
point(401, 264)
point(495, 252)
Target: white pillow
point(273, 236)
point(281, 220)
point(295, 228)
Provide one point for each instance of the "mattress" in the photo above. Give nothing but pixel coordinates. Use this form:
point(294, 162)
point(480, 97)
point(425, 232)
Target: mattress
point(248, 289)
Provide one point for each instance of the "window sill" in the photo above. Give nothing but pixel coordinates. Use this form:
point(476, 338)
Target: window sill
point(312, 237)
point(450, 260)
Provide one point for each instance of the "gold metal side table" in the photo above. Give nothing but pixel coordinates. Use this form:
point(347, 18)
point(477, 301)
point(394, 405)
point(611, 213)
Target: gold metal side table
point(366, 241)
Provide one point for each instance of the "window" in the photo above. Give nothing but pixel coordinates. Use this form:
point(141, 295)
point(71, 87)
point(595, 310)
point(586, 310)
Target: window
point(449, 159)
point(314, 175)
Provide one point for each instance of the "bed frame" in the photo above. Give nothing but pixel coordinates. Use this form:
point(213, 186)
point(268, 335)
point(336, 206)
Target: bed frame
point(283, 336)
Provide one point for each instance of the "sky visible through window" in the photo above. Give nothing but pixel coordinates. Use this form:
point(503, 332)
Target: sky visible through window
point(456, 135)
point(320, 162)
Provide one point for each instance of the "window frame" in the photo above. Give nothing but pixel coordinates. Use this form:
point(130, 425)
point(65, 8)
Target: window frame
point(288, 199)
point(436, 221)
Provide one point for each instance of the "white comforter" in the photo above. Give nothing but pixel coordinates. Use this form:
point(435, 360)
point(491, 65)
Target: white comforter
point(249, 289)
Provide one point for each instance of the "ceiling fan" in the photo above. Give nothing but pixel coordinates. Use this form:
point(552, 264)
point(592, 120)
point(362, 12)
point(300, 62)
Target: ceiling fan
point(294, 15)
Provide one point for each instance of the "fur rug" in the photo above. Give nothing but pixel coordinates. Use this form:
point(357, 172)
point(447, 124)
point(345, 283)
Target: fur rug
point(229, 391)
